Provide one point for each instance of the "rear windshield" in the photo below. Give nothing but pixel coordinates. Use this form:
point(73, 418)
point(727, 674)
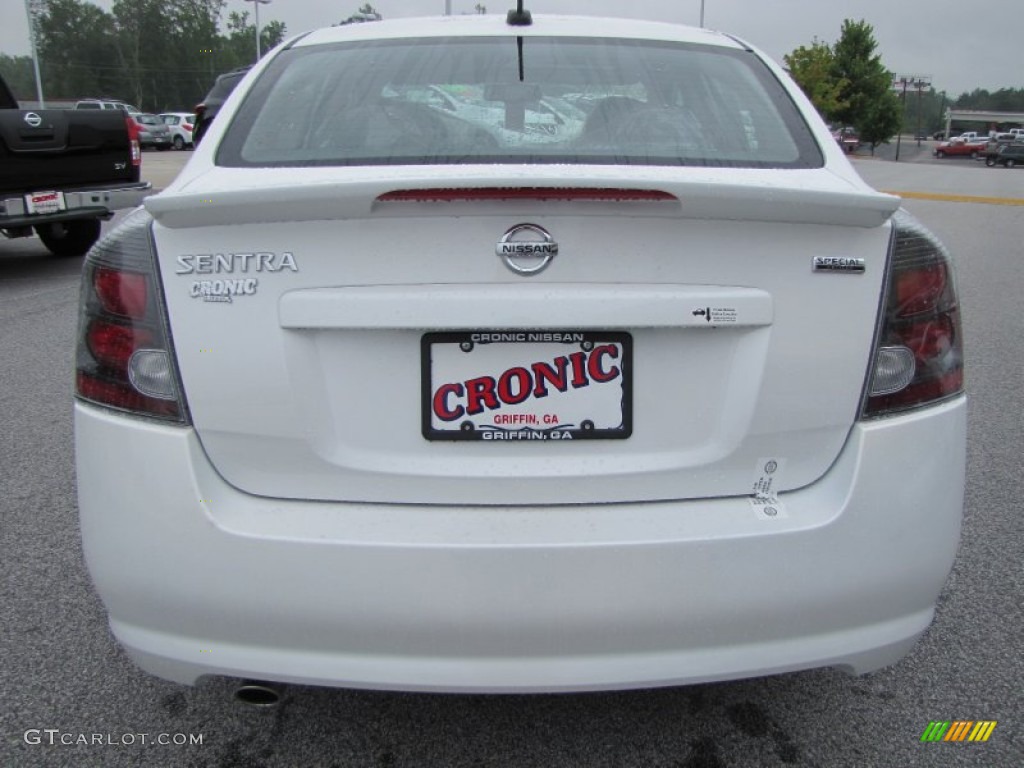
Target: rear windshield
point(509, 100)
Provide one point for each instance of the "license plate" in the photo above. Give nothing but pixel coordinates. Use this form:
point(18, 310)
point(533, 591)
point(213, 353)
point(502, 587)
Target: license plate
point(45, 202)
point(527, 385)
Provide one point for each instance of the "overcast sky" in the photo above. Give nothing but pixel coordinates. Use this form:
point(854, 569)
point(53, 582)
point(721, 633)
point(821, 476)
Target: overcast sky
point(962, 46)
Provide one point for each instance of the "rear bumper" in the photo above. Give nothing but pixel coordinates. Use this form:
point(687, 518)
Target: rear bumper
point(91, 203)
point(199, 578)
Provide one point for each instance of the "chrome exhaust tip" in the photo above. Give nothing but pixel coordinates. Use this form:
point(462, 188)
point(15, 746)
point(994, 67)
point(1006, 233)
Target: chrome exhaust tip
point(257, 694)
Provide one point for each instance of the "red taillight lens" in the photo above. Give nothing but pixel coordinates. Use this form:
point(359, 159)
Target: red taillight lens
point(121, 293)
point(125, 359)
point(919, 289)
point(113, 344)
point(124, 397)
point(133, 140)
point(919, 354)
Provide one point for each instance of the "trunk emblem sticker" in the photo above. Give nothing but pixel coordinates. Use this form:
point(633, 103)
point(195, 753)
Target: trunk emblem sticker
point(527, 249)
point(33, 119)
point(839, 264)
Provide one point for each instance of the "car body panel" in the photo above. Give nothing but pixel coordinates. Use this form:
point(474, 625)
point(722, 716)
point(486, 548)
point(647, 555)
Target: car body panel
point(518, 599)
point(312, 519)
point(731, 380)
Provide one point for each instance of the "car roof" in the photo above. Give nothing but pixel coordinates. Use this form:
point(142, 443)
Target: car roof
point(495, 25)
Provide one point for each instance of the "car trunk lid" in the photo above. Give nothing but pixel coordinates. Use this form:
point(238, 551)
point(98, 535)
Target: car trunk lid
point(726, 310)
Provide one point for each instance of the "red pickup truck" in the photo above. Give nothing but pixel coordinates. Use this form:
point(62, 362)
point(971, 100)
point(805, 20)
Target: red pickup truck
point(961, 147)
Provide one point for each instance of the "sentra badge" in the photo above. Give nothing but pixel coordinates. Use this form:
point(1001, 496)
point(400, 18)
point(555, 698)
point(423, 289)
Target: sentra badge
point(238, 268)
point(527, 249)
point(220, 263)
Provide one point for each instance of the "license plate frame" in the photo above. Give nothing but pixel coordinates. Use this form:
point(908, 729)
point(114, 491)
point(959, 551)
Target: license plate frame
point(45, 201)
point(579, 385)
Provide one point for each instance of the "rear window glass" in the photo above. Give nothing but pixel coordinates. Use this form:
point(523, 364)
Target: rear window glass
point(499, 100)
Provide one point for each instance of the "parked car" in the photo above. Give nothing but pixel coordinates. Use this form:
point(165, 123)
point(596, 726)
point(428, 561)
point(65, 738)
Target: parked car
point(180, 125)
point(544, 120)
point(152, 131)
point(1010, 155)
point(958, 147)
point(208, 108)
point(373, 396)
point(847, 138)
point(995, 145)
point(106, 104)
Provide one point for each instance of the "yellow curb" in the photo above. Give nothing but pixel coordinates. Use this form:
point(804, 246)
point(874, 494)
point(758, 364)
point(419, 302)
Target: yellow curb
point(957, 198)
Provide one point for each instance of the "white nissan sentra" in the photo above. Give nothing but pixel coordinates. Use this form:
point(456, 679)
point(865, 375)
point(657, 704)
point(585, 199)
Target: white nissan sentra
point(508, 354)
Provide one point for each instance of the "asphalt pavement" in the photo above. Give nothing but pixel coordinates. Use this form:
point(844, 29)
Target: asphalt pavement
point(71, 698)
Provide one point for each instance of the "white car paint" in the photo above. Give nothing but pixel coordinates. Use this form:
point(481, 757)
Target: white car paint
point(297, 525)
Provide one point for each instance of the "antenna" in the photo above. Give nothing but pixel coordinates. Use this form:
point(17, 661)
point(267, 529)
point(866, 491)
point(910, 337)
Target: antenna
point(519, 17)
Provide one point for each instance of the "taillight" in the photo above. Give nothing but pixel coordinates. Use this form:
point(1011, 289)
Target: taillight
point(133, 140)
point(919, 350)
point(125, 359)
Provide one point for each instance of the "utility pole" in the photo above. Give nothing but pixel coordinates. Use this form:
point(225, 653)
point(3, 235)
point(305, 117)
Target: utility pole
point(918, 83)
point(447, 7)
point(256, 5)
point(702, 14)
point(32, 9)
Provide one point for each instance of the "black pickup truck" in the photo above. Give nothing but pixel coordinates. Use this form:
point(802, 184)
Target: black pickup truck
point(62, 172)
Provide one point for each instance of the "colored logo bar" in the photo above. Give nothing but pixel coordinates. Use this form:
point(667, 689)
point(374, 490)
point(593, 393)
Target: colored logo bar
point(958, 730)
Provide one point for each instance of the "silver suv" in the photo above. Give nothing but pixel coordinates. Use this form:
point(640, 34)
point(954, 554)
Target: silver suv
point(107, 104)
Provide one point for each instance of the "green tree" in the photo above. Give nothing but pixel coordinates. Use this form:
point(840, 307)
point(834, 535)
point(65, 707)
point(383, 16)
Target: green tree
point(77, 51)
point(194, 40)
point(159, 54)
point(881, 120)
point(870, 105)
point(1003, 100)
point(272, 34)
point(144, 47)
point(19, 76)
point(811, 68)
point(239, 47)
point(365, 12)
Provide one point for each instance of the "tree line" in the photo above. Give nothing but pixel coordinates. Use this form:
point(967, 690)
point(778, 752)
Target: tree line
point(849, 85)
point(163, 55)
point(160, 55)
